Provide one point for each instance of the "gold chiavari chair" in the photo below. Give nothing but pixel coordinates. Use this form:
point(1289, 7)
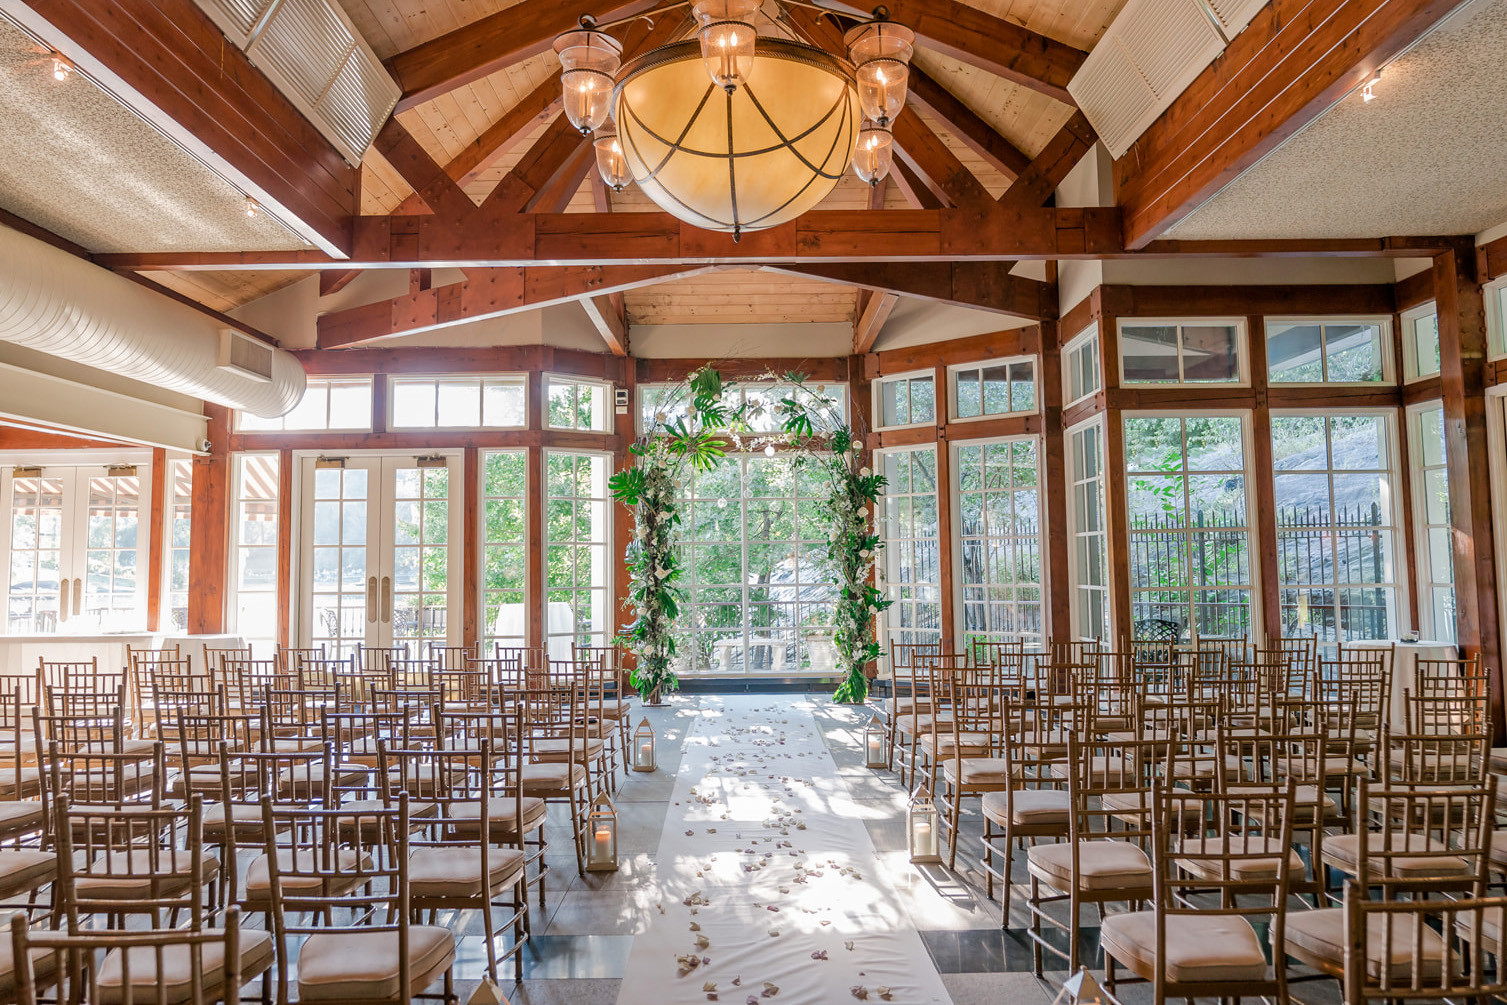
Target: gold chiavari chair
point(1236, 648)
point(215, 660)
point(1073, 650)
point(616, 706)
point(291, 660)
point(969, 747)
point(447, 657)
point(140, 661)
point(377, 659)
point(1198, 940)
point(1367, 675)
point(22, 815)
point(557, 760)
point(928, 711)
point(66, 676)
point(350, 864)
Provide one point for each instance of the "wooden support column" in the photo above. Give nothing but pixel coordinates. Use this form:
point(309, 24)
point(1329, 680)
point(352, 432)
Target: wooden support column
point(471, 548)
point(161, 483)
point(945, 529)
point(1462, 370)
point(622, 516)
point(285, 547)
point(1107, 311)
point(533, 576)
point(1055, 488)
point(208, 565)
point(1261, 476)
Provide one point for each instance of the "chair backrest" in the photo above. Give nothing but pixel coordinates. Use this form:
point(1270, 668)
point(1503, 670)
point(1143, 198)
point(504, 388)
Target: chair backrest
point(1123, 770)
point(1432, 757)
point(99, 778)
point(1426, 838)
point(1366, 674)
point(290, 660)
point(1450, 678)
point(78, 721)
point(146, 861)
point(1419, 964)
point(446, 657)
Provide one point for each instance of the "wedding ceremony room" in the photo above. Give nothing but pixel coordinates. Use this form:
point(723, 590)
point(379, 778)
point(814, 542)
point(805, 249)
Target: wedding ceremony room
point(771, 502)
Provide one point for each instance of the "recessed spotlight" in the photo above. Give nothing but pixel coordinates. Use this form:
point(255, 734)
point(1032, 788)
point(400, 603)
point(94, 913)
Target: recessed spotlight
point(252, 207)
point(61, 68)
point(1368, 92)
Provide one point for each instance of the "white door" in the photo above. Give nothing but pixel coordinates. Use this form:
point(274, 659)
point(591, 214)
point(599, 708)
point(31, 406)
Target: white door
point(380, 552)
point(75, 548)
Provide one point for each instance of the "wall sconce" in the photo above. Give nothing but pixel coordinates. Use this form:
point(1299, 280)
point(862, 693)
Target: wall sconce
point(875, 753)
point(923, 821)
point(601, 850)
point(1368, 92)
point(643, 747)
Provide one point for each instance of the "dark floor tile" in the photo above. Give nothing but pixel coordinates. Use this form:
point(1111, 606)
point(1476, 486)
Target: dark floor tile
point(576, 957)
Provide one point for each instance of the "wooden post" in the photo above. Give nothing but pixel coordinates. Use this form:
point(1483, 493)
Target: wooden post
point(161, 485)
point(534, 579)
point(471, 547)
point(286, 549)
point(1402, 483)
point(1108, 306)
point(945, 530)
point(1462, 370)
point(208, 568)
point(1054, 487)
point(1261, 469)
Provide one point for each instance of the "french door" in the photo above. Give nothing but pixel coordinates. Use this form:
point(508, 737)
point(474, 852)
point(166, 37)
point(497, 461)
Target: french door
point(380, 552)
point(75, 548)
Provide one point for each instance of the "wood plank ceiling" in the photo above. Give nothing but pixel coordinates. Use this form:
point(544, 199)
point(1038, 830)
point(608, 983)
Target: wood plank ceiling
point(446, 126)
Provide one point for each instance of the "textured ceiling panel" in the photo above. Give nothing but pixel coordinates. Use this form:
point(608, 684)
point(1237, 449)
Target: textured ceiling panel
point(1428, 156)
point(77, 162)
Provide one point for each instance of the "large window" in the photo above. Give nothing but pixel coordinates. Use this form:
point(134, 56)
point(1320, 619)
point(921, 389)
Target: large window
point(577, 535)
point(1335, 526)
point(341, 403)
point(180, 514)
point(906, 400)
point(754, 544)
point(1327, 352)
point(1174, 352)
point(1189, 536)
point(255, 531)
point(1090, 603)
point(459, 402)
point(1420, 341)
point(1436, 557)
point(504, 545)
point(1000, 546)
point(1081, 365)
point(911, 570)
point(1000, 387)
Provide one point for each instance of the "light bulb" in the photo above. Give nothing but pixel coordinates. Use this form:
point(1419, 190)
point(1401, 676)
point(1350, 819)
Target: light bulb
point(252, 207)
point(61, 68)
point(874, 154)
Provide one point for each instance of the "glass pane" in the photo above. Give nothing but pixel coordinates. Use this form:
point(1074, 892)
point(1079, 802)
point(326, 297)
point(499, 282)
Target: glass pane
point(459, 403)
point(503, 404)
point(413, 404)
point(1211, 352)
point(1295, 353)
point(1149, 353)
point(1354, 352)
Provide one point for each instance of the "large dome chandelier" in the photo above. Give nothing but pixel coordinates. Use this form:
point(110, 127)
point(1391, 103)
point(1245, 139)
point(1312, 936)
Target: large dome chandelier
point(736, 129)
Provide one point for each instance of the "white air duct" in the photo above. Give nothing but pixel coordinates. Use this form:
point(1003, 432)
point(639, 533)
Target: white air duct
point(60, 304)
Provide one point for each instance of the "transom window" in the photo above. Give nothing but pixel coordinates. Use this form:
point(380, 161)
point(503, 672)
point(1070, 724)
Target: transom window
point(327, 403)
point(1496, 316)
point(1189, 535)
point(1081, 364)
point(1333, 352)
point(1179, 352)
point(1335, 526)
point(999, 387)
point(573, 403)
point(999, 534)
point(666, 403)
point(459, 402)
point(907, 400)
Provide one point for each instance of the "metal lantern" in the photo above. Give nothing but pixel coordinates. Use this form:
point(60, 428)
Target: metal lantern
point(611, 163)
point(922, 823)
point(874, 753)
point(643, 747)
point(881, 53)
point(727, 39)
point(601, 848)
point(588, 60)
point(874, 154)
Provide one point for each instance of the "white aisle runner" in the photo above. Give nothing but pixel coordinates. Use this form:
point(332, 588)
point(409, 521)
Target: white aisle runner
point(769, 883)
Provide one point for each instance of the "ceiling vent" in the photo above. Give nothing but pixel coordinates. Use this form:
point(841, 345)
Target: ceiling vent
point(1152, 51)
point(315, 56)
point(242, 354)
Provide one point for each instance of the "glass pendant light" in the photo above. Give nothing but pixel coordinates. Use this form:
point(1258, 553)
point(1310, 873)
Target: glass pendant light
point(881, 52)
point(727, 40)
point(588, 60)
point(874, 153)
point(611, 163)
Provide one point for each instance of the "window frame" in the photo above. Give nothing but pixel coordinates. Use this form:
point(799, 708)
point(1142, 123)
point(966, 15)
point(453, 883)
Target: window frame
point(1087, 337)
point(233, 586)
point(609, 397)
point(1242, 349)
point(1036, 640)
point(485, 635)
point(608, 629)
point(1495, 293)
point(1076, 535)
point(1382, 323)
point(909, 375)
point(888, 629)
point(170, 502)
point(984, 364)
point(1409, 318)
point(480, 379)
point(1423, 575)
point(328, 381)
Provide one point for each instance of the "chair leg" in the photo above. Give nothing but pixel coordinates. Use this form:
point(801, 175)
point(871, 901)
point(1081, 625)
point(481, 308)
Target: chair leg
point(954, 817)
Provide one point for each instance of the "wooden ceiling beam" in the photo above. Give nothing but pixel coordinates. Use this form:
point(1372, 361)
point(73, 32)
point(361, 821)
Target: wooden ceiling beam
point(912, 186)
point(488, 293)
point(871, 319)
point(562, 189)
point(978, 135)
point(987, 286)
point(430, 183)
point(1294, 61)
point(934, 162)
point(487, 44)
point(169, 63)
point(1047, 169)
point(610, 316)
point(540, 167)
point(333, 281)
point(990, 43)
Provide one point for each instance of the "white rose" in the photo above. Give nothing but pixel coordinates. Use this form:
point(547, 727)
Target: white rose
point(865, 472)
point(857, 444)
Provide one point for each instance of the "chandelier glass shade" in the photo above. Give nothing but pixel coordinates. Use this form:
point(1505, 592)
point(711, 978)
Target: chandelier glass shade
point(611, 164)
point(874, 154)
point(744, 158)
point(588, 61)
point(881, 51)
point(727, 39)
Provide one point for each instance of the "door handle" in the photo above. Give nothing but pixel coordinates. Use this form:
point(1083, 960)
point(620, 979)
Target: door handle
point(371, 599)
point(387, 600)
point(78, 596)
point(63, 599)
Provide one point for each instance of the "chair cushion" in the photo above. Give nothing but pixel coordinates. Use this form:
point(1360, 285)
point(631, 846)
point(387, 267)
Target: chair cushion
point(1305, 799)
point(259, 884)
point(19, 816)
point(1104, 865)
point(1199, 948)
point(132, 873)
point(559, 749)
point(552, 777)
point(43, 967)
point(1241, 869)
point(23, 870)
point(247, 818)
point(976, 771)
point(31, 779)
point(1342, 852)
point(364, 965)
point(176, 981)
point(422, 779)
point(1497, 851)
point(456, 872)
point(1318, 937)
point(500, 812)
point(1030, 808)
